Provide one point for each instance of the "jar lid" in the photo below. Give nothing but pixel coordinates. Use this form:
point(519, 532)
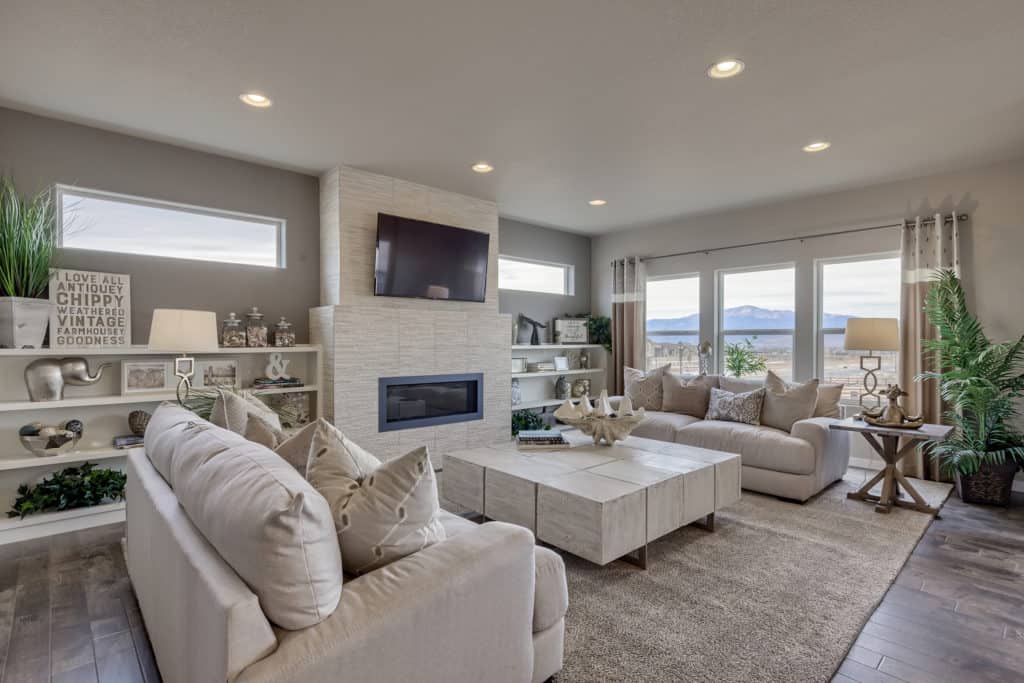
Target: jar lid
point(232, 320)
point(283, 324)
point(254, 312)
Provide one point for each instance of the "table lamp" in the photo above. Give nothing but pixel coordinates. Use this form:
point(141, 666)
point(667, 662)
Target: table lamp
point(871, 334)
point(182, 331)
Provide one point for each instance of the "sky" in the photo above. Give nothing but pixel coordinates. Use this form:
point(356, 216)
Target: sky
point(104, 225)
point(863, 289)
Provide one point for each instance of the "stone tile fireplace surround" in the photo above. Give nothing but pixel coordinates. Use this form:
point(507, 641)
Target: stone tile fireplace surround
point(366, 338)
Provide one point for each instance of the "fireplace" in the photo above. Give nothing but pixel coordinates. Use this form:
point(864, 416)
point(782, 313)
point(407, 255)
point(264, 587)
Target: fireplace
point(425, 400)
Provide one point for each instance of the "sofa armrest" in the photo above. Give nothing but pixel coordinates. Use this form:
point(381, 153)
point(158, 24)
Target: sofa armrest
point(831, 446)
point(460, 610)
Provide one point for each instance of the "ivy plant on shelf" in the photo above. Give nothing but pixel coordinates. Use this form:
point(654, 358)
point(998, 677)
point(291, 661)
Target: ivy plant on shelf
point(526, 420)
point(72, 487)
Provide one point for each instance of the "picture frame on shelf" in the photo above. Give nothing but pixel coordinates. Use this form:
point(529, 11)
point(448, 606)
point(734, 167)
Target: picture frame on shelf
point(561, 363)
point(145, 376)
point(571, 331)
point(219, 372)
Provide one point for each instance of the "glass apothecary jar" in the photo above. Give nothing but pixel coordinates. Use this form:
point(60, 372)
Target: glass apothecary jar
point(255, 328)
point(284, 335)
point(232, 334)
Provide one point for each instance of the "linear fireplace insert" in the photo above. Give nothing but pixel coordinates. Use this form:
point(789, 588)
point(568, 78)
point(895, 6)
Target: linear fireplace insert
point(425, 400)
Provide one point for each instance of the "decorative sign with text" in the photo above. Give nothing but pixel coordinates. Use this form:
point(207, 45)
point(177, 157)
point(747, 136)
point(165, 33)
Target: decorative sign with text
point(89, 309)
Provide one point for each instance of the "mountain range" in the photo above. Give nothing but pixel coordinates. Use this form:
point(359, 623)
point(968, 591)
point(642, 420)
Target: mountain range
point(746, 318)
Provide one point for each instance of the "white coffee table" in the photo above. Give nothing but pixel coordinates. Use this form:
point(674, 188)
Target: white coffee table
point(601, 503)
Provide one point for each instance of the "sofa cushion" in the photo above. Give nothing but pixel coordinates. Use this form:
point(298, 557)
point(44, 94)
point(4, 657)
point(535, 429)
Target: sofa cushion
point(644, 388)
point(455, 524)
point(744, 407)
point(785, 403)
point(388, 514)
point(262, 517)
point(551, 594)
point(758, 446)
point(662, 426)
point(688, 396)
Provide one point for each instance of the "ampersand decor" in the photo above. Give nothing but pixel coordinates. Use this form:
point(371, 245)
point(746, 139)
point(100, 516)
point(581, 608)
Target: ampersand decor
point(277, 368)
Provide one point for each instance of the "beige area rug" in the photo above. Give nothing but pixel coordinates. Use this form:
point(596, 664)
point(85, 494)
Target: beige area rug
point(778, 592)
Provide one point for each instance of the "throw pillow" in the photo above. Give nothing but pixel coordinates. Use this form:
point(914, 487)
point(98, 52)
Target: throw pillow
point(390, 514)
point(259, 430)
point(295, 449)
point(785, 404)
point(829, 396)
point(686, 396)
point(737, 385)
point(644, 388)
point(352, 461)
point(231, 411)
point(729, 407)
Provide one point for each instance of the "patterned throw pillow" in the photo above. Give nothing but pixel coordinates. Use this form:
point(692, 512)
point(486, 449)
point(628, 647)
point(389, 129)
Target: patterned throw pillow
point(391, 513)
point(730, 407)
point(644, 388)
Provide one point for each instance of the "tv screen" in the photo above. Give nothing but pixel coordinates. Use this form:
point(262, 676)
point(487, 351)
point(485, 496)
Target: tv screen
point(423, 260)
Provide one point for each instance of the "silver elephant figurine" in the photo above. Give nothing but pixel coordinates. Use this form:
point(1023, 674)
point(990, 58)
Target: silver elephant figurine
point(46, 377)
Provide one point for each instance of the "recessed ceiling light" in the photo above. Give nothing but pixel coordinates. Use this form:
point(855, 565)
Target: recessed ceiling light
point(817, 146)
point(727, 68)
point(256, 99)
point(597, 202)
point(482, 167)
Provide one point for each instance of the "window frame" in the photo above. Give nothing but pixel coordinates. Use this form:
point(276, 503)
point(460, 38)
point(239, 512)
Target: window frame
point(721, 332)
point(280, 224)
point(819, 309)
point(568, 283)
point(673, 276)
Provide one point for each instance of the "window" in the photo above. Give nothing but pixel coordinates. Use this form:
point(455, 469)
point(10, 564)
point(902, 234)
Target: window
point(756, 319)
point(103, 221)
point(535, 276)
point(864, 287)
point(673, 322)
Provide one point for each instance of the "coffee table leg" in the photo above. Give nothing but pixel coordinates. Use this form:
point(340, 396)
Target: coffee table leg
point(637, 558)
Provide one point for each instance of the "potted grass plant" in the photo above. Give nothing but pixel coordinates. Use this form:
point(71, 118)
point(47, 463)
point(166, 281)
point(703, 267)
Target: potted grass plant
point(28, 240)
point(982, 383)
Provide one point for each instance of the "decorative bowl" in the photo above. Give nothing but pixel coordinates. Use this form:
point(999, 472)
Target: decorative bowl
point(50, 445)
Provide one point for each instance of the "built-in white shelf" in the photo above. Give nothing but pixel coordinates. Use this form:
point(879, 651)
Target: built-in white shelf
point(123, 399)
point(71, 457)
point(553, 347)
point(557, 373)
point(14, 529)
point(543, 403)
point(143, 350)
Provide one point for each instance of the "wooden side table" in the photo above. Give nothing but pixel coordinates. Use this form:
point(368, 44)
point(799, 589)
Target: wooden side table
point(891, 452)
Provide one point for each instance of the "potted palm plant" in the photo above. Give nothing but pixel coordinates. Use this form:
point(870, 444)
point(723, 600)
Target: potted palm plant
point(28, 239)
point(981, 381)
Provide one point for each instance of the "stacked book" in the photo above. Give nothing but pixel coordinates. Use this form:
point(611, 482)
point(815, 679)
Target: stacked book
point(267, 383)
point(542, 366)
point(541, 440)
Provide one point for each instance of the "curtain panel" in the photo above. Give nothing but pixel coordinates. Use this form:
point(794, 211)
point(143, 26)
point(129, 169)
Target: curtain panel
point(629, 313)
point(925, 247)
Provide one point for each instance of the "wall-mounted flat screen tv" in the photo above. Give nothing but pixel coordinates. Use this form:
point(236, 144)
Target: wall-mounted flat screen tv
point(423, 260)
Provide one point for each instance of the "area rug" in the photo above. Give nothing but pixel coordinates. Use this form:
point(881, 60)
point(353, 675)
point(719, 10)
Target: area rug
point(778, 592)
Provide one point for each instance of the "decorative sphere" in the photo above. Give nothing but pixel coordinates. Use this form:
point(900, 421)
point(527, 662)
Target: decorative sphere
point(29, 430)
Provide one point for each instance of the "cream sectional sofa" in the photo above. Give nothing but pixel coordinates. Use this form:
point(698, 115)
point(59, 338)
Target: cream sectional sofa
point(793, 465)
point(484, 604)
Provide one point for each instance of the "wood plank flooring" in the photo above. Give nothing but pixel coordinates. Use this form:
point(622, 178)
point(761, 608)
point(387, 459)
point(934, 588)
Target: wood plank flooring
point(956, 610)
point(955, 613)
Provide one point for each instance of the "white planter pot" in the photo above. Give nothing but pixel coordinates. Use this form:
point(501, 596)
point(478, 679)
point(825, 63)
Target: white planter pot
point(23, 322)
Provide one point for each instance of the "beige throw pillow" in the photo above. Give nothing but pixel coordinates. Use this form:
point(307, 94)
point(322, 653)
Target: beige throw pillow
point(352, 460)
point(391, 513)
point(729, 407)
point(686, 396)
point(231, 411)
point(785, 403)
point(829, 396)
point(295, 448)
point(644, 388)
point(259, 430)
point(738, 385)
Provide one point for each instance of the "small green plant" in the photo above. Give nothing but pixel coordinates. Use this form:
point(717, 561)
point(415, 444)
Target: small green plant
point(73, 487)
point(526, 420)
point(741, 359)
point(28, 239)
point(600, 329)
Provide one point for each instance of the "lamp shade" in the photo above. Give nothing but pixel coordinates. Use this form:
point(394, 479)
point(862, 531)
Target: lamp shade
point(180, 331)
point(872, 334)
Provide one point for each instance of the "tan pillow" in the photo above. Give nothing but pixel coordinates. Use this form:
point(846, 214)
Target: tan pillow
point(353, 461)
point(829, 396)
point(231, 411)
point(686, 396)
point(644, 388)
point(259, 430)
point(295, 448)
point(737, 385)
point(785, 404)
point(265, 520)
point(392, 513)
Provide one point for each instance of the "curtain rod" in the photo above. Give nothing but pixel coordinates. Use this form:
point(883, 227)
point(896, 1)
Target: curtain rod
point(850, 231)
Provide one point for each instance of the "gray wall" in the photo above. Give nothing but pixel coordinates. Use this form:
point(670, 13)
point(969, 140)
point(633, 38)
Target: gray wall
point(40, 151)
point(545, 244)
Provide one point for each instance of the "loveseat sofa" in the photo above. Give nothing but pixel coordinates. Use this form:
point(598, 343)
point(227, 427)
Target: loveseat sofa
point(485, 604)
point(795, 465)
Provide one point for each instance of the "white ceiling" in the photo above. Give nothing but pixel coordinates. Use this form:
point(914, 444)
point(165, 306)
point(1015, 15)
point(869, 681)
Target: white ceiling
point(569, 99)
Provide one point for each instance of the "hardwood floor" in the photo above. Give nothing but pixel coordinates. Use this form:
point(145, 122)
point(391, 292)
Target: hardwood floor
point(955, 613)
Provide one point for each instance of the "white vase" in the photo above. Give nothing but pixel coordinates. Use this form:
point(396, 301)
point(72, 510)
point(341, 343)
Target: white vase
point(23, 322)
